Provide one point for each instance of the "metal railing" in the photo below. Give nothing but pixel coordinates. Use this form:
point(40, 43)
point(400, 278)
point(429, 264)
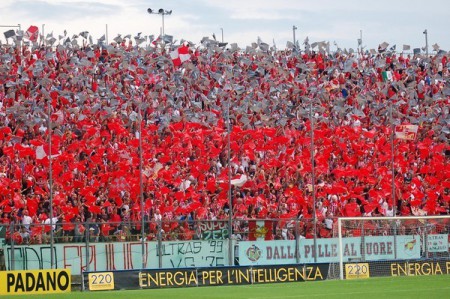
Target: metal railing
point(28, 247)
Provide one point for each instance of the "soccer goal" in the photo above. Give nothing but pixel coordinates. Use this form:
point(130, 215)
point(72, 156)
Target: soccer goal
point(391, 246)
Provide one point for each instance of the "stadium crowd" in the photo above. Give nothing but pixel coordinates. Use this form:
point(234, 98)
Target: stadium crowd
point(251, 114)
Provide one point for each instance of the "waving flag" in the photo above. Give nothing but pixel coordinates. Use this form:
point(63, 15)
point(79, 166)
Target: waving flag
point(180, 55)
point(406, 132)
point(32, 33)
point(9, 33)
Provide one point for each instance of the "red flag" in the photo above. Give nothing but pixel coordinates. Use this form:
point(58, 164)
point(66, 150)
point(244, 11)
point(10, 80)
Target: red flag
point(32, 33)
point(57, 117)
point(95, 209)
point(180, 55)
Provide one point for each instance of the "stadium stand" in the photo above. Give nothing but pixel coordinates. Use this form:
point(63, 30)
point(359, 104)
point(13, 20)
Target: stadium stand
point(256, 112)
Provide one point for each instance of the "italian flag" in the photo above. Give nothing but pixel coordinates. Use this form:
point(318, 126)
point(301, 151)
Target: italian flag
point(387, 76)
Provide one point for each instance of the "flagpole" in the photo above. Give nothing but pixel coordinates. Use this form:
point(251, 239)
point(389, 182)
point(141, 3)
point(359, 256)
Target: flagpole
point(394, 204)
point(313, 178)
point(392, 159)
point(293, 33)
point(141, 186)
point(43, 36)
point(50, 182)
point(230, 201)
point(426, 41)
point(360, 43)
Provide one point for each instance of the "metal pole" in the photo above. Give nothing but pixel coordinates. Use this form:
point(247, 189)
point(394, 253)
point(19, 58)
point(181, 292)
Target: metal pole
point(230, 201)
point(141, 186)
point(426, 41)
point(313, 180)
point(160, 249)
point(43, 36)
point(87, 236)
point(360, 36)
point(50, 182)
point(297, 242)
point(360, 42)
point(163, 32)
point(394, 203)
point(392, 160)
point(293, 33)
point(12, 257)
point(341, 252)
point(221, 29)
point(106, 33)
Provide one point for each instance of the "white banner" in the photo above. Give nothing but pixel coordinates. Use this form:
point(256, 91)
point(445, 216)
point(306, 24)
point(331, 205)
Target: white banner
point(284, 252)
point(437, 243)
point(118, 255)
point(406, 132)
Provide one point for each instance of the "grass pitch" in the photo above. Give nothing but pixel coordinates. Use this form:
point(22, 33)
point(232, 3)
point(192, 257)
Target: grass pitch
point(385, 287)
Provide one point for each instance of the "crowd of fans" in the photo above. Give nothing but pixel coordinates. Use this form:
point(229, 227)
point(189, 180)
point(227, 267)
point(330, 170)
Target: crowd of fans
point(286, 126)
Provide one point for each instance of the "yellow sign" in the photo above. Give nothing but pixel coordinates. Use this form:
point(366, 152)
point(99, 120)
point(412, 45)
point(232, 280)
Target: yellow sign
point(101, 281)
point(354, 271)
point(35, 282)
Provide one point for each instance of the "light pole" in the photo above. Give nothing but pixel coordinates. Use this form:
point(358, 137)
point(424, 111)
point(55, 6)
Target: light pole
point(221, 29)
point(161, 12)
point(426, 41)
point(293, 33)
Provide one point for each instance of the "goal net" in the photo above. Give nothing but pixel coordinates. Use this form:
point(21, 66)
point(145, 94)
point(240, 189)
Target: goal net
point(391, 246)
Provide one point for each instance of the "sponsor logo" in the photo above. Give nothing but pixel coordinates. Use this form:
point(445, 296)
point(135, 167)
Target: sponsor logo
point(253, 253)
point(35, 281)
point(409, 247)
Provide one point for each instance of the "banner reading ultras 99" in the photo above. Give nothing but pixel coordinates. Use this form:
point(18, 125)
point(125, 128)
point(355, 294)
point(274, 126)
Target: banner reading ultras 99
point(172, 278)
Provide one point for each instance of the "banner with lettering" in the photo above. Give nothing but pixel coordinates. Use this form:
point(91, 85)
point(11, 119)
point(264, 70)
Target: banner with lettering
point(119, 255)
point(214, 230)
point(410, 268)
point(179, 254)
point(35, 282)
point(197, 277)
point(207, 253)
point(285, 252)
point(437, 243)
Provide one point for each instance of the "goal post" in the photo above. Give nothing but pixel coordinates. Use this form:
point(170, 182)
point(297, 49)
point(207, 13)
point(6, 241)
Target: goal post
point(379, 241)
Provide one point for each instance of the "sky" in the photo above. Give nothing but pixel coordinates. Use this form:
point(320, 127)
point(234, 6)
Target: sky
point(242, 21)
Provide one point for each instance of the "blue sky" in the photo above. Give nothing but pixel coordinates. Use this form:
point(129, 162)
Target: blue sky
point(340, 21)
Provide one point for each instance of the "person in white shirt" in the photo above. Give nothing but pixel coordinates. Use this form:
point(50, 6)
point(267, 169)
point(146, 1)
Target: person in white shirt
point(52, 221)
point(47, 222)
point(26, 220)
